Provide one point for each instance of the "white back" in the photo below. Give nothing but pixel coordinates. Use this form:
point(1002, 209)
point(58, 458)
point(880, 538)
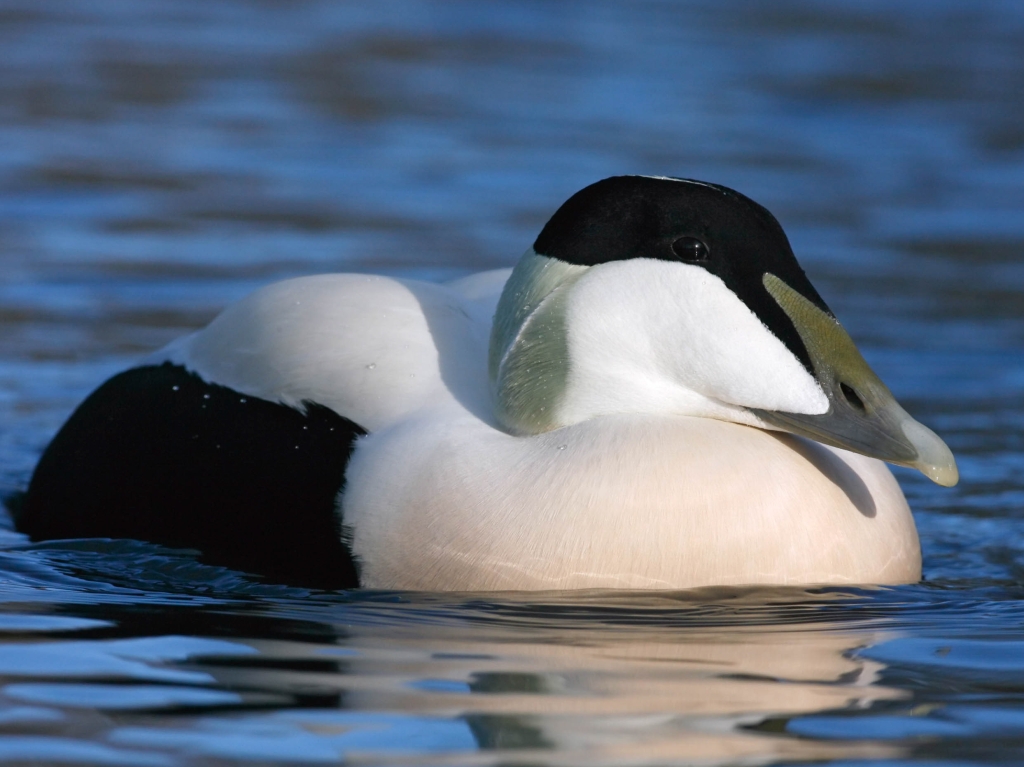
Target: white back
point(373, 349)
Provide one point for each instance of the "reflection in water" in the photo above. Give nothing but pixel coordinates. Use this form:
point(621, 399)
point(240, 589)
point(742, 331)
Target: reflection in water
point(159, 159)
point(203, 663)
point(611, 695)
point(590, 677)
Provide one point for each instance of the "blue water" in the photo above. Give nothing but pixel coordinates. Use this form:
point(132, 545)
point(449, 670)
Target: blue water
point(160, 158)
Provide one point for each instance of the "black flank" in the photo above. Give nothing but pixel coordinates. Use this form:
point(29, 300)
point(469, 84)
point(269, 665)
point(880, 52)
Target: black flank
point(627, 217)
point(158, 454)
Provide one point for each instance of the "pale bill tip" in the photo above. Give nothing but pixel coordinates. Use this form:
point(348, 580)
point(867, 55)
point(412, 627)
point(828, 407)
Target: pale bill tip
point(934, 459)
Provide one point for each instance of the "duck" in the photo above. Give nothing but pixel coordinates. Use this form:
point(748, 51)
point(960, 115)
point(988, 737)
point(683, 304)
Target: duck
point(654, 397)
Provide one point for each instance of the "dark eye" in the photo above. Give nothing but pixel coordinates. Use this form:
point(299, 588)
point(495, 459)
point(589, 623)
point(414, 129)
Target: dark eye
point(690, 249)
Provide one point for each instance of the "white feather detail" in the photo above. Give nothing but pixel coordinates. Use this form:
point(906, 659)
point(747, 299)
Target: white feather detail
point(446, 502)
point(373, 349)
point(656, 336)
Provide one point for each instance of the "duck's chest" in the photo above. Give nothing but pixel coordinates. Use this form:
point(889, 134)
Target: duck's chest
point(620, 502)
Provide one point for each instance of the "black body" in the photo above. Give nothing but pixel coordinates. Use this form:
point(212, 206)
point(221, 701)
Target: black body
point(158, 454)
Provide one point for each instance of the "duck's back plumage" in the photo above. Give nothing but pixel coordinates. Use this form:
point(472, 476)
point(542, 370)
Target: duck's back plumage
point(372, 348)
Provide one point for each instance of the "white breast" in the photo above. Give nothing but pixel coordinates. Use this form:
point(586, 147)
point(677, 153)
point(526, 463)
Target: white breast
point(621, 501)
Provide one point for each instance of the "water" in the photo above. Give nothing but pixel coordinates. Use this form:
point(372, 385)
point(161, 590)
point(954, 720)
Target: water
point(159, 158)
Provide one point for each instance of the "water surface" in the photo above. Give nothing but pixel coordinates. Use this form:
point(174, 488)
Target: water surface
point(160, 158)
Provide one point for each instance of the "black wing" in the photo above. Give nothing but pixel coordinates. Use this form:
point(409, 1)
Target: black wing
point(160, 455)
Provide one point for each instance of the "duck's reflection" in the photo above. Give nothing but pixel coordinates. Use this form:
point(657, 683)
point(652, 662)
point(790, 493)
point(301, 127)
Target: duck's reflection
point(610, 680)
point(629, 694)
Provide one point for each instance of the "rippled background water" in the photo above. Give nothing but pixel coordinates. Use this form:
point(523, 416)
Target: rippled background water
point(160, 158)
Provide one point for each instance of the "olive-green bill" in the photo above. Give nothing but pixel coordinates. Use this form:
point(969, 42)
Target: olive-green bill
point(863, 415)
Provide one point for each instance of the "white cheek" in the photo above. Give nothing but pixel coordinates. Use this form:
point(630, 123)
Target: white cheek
point(734, 358)
point(675, 329)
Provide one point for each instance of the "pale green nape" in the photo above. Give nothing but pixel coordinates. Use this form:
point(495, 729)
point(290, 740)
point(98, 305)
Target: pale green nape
point(528, 362)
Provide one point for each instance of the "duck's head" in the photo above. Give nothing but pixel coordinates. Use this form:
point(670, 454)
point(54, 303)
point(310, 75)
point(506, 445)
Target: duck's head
point(672, 296)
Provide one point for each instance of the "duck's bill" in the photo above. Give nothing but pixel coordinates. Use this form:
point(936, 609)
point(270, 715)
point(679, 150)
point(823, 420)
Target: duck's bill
point(863, 416)
point(888, 433)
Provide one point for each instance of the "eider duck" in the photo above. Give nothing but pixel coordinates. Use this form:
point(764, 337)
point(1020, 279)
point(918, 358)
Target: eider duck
point(654, 397)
